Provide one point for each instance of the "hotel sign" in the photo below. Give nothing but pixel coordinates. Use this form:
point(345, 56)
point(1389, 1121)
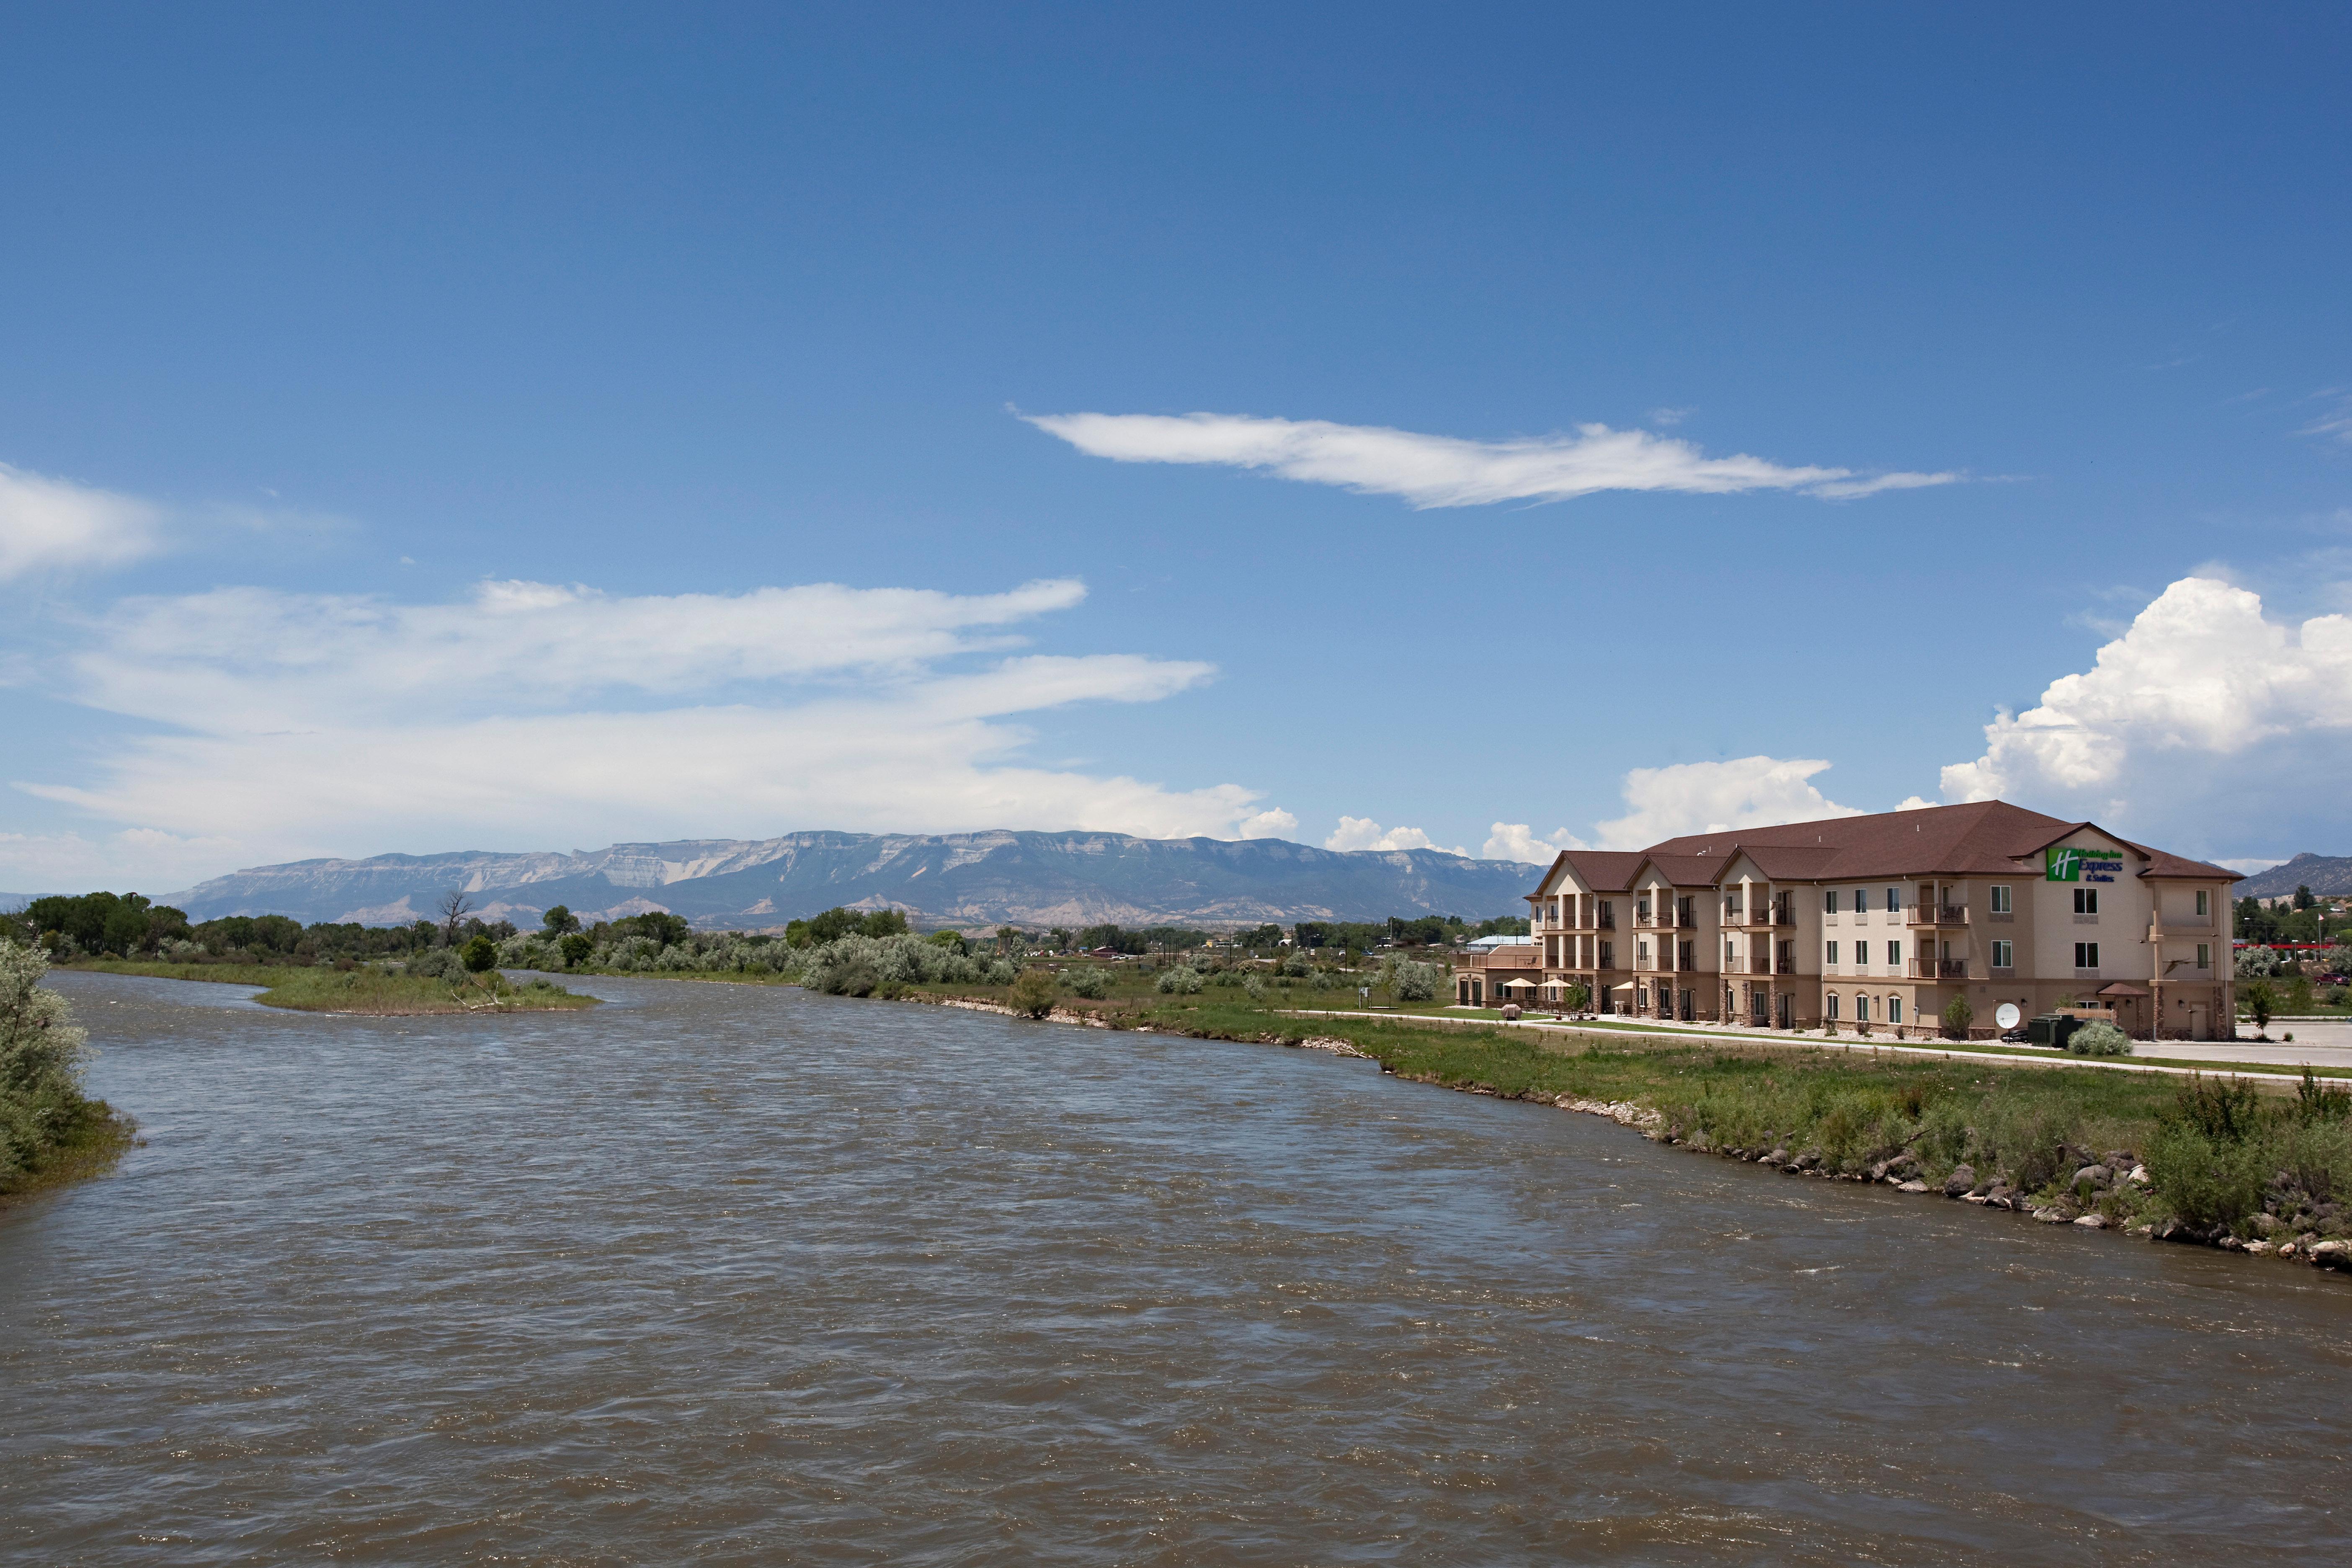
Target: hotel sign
point(2080, 864)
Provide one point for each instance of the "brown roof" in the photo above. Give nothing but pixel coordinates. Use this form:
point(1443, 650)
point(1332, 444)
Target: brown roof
point(1603, 870)
point(1982, 838)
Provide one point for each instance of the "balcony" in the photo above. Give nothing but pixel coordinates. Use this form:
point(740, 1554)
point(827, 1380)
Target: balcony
point(1786, 966)
point(1735, 916)
point(1932, 915)
point(1939, 969)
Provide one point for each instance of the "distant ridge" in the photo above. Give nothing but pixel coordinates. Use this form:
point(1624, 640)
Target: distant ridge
point(2321, 873)
point(956, 878)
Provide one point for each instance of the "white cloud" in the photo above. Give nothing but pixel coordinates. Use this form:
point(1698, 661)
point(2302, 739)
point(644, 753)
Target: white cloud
point(2250, 868)
point(1516, 841)
point(1275, 823)
point(1444, 471)
point(1716, 797)
point(53, 525)
point(135, 859)
point(2200, 673)
point(535, 715)
point(1363, 833)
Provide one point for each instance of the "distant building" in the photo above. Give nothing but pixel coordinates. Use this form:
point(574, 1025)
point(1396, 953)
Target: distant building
point(1879, 921)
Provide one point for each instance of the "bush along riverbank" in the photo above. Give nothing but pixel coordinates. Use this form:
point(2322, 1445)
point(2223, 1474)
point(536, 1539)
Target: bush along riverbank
point(50, 1131)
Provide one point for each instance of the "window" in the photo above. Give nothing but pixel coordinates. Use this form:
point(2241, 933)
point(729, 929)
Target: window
point(1833, 1004)
point(1608, 955)
point(1894, 900)
point(2086, 900)
point(1828, 902)
point(1728, 951)
point(2004, 956)
point(1832, 953)
point(1862, 901)
point(2204, 955)
point(1895, 953)
point(2204, 908)
point(1640, 953)
point(1861, 1009)
point(1895, 1009)
point(2086, 955)
point(2000, 898)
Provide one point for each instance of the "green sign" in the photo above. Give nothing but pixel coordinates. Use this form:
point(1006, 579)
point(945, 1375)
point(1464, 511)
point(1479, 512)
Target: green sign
point(2071, 865)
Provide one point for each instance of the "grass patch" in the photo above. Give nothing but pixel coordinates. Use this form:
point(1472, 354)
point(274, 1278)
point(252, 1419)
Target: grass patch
point(362, 988)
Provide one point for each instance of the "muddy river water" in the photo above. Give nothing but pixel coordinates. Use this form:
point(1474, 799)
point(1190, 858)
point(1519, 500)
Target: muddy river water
point(720, 1274)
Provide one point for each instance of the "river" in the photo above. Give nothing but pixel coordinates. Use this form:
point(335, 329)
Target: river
point(720, 1274)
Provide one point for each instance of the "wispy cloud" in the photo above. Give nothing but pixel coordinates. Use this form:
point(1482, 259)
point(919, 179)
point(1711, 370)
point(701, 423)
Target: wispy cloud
point(537, 714)
point(55, 525)
point(2337, 422)
point(1444, 471)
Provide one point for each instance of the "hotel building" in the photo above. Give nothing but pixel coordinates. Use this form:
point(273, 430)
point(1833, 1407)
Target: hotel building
point(1880, 921)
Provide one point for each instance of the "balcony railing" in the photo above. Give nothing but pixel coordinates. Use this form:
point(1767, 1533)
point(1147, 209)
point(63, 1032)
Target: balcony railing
point(1786, 966)
point(1939, 969)
point(1733, 915)
point(1933, 915)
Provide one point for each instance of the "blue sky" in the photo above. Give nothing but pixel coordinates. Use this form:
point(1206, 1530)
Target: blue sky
point(326, 331)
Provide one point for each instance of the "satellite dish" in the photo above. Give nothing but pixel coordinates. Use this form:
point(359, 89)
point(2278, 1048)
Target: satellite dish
point(2007, 1015)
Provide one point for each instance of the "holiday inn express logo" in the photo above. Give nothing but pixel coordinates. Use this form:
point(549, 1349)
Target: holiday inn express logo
point(2071, 865)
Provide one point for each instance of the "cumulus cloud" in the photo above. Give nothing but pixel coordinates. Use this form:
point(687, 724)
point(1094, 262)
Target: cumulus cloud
point(1275, 823)
point(2203, 715)
point(1444, 471)
point(134, 859)
point(1516, 841)
point(1363, 833)
point(55, 525)
point(532, 713)
point(1718, 797)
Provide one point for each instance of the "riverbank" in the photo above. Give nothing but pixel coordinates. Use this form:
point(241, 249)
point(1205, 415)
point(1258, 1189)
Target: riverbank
point(2247, 1167)
point(362, 990)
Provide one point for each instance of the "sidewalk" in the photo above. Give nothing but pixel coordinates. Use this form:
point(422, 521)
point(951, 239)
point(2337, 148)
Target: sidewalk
point(2245, 1058)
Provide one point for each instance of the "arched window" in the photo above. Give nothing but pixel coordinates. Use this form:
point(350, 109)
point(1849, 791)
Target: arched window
point(1832, 1004)
point(1861, 1009)
point(1895, 1009)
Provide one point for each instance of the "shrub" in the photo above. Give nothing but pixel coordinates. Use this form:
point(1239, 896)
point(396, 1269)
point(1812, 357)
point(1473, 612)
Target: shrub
point(2315, 1101)
point(1957, 1017)
point(2099, 1039)
point(41, 1055)
point(2211, 1183)
point(575, 948)
point(2221, 1110)
point(1255, 988)
point(1033, 993)
point(1001, 973)
point(1089, 982)
point(1412, 982)
point(1181, 981)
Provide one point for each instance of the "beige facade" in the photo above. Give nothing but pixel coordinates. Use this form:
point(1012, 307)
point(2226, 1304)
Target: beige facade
point(1878, 923)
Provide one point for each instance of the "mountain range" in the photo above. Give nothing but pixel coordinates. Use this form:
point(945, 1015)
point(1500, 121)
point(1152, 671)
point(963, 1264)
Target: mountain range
point(962, 879)
point(2329, 874)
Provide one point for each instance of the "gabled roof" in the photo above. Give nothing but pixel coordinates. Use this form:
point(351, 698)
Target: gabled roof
point(1986, 838)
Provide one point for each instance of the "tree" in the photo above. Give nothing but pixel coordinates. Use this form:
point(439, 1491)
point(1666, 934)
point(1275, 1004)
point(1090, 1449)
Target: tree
point(1060, 936)
point(454, 906)
point(2259, 999)
point(480, 955)
point(575, 947)
point(1957, 1017)
point(2302, 899)
point(559, 920)
point(1032, 993)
